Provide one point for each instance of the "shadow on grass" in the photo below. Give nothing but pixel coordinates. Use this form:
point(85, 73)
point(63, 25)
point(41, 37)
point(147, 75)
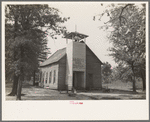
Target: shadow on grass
point(110, 98)
point(94, 98)
point(54, 98)
point(112, 91)
point(72, 95)
point(15, 95)
point(119, 91)
point(63, 92)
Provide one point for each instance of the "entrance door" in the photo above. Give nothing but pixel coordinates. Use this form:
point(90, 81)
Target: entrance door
point(78, 80)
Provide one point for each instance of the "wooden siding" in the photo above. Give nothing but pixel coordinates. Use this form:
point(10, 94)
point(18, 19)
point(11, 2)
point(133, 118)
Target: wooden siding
point(47, 69)
point(62, 74)
point(93, 70)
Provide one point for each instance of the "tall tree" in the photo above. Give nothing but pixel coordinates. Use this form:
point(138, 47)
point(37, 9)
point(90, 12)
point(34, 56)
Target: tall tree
point(127, 22)
point(26, 32)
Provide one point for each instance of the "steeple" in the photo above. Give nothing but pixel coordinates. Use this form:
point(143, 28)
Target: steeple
point(75, 36)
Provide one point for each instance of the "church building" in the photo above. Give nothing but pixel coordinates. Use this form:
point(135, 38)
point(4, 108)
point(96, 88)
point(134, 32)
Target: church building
point(75, 66)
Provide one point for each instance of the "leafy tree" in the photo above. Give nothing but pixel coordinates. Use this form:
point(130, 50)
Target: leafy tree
point(106, 71)
point(26, 31)
point(122, 73)
point(127, 22)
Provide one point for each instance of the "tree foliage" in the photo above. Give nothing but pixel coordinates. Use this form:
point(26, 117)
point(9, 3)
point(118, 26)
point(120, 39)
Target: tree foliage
point(106, 71)
point(26, 31)
point(127, 22)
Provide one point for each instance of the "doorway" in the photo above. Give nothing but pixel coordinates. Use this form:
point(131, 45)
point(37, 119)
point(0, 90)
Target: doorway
point(78, 80)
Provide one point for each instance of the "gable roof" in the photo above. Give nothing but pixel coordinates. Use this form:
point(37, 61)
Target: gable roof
point(60, 54)
point(55, 57)
point(93, 54)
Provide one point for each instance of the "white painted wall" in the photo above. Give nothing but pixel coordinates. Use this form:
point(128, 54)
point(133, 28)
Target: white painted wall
point(69, 70)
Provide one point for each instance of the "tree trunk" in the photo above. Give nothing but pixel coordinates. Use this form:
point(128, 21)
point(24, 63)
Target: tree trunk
point(14, 87)
point(143, 79)
point(19, 88)
point(15, 81)
point(34, 78)
point(134, 87)
point(21, 77)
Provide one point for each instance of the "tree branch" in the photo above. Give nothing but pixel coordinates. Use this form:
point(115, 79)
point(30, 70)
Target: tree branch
point(122, 12)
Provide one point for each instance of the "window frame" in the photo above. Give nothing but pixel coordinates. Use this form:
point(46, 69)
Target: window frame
point(43, 77)
point(54, 77)
point(50, 77)
point(46, 78)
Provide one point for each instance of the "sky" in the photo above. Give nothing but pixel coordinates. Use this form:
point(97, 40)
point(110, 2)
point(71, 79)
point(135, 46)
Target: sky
point(81, 15)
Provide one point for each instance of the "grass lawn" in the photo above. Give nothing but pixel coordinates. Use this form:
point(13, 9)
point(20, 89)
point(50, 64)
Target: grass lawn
point(30, 92)
point(119, 91)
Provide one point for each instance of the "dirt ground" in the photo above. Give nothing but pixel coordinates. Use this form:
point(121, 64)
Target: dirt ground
point(30, 92)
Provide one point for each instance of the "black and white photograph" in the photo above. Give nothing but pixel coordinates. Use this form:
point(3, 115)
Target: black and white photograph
point(75, 55)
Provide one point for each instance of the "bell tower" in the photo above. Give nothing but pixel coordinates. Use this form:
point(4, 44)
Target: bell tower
point(76, 61)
